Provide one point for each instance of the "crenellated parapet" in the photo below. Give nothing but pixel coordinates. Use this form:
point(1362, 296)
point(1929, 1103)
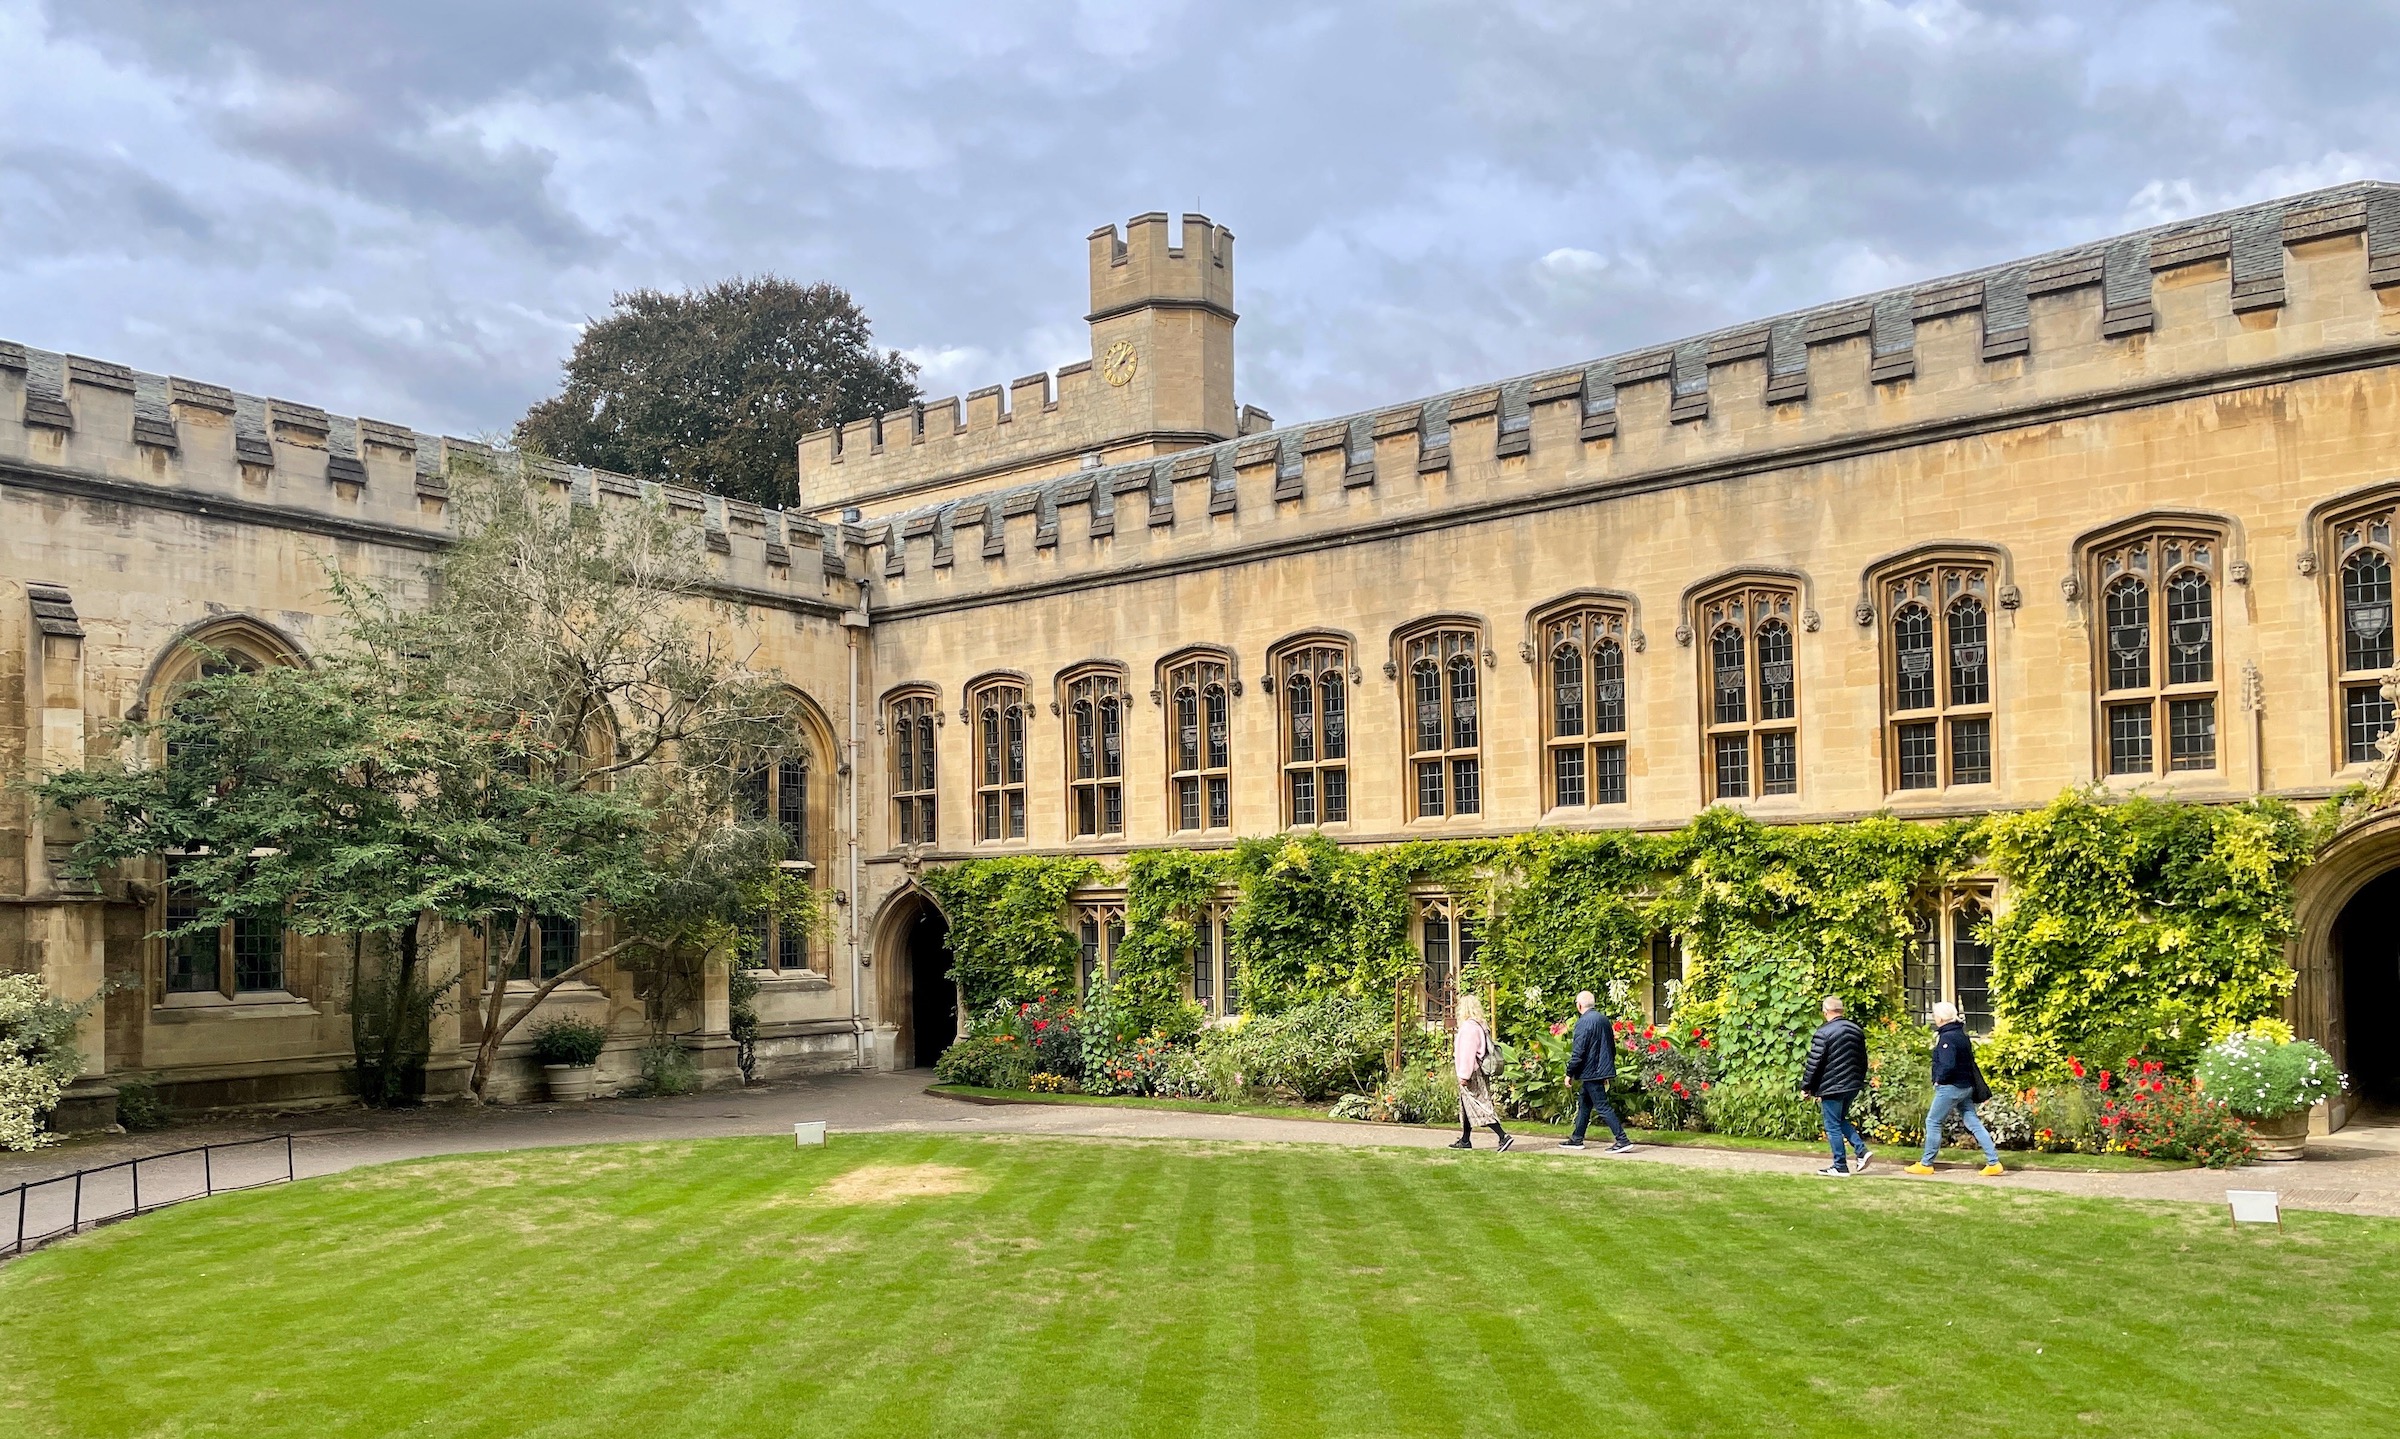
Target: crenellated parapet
point(2272, 291)
point(1159, 379)
point(98, 430)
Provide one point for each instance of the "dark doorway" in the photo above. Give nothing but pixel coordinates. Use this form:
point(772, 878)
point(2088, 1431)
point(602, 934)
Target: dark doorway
point(932, 997)
point(2368, 936)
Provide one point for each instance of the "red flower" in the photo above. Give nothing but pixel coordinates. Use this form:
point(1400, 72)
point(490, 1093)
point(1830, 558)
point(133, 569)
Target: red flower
point(1040, 1024)
point(2104, 1081)
point(1704, 1041)
point(1679, 1089)
point(1704, 1086)
point(1557, 1030)
point(1695, 1032)
point(1658, 1079)
point(2075, 1067)
point(1648, 1032)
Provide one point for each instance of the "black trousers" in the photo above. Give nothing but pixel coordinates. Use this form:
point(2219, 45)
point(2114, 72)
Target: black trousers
point(1594, 1100)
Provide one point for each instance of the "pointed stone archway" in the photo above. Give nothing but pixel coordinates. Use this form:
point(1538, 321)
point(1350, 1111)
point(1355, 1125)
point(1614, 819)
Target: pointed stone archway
point(2346, 952)
point(917, 1002)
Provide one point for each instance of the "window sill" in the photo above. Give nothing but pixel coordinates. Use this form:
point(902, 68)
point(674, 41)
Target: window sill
point(571, 991)
point(791, 981)
point(258, 1004)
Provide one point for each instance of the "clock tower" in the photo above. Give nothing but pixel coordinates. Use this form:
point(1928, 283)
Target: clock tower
point(1162, 329)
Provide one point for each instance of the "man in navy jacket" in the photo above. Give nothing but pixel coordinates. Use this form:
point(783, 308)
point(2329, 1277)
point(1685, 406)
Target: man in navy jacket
point(1592, 1063)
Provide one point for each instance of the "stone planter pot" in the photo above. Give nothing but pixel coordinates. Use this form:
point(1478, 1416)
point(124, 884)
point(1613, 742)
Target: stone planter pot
point(2282, 1138)
point(570, 1081)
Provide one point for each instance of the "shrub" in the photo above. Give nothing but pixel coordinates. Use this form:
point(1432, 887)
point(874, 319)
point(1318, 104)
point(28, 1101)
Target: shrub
point(2157, 1116)
point(1136, 1068)
point(1311, 1051)
point(1533, 1077)
point(569, 1041)
point(139, 1107)
point(1052, 1084)
point(1205, 1071)
point(38, 1058)
point(2007, 1118)
point(1665, 1078)
point(1763, 1109)
point(2258, 1077)
point(1899, 1092)
point(999, 1061)
point(668, 1068)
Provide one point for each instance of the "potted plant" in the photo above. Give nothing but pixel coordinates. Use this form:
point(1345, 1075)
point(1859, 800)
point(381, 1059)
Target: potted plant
point(567, 1050)
point(2273, 1080)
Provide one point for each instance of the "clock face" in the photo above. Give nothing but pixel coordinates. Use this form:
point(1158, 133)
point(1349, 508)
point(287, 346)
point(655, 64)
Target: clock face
point(1116, 366)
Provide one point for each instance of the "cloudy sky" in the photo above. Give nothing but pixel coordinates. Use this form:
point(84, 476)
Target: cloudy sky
point(405, 208)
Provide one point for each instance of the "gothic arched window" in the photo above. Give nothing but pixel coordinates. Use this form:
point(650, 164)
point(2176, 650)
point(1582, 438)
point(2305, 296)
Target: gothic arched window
point(910, 720)
point(1000, 719)
point(1199, 742)
point(1312, 679)
point(1444, 720)
point(1583, 682)
point(1095, 710)
point(2363, 550)
point(2158, 651)
point(1750, 692)
point(1938, 673)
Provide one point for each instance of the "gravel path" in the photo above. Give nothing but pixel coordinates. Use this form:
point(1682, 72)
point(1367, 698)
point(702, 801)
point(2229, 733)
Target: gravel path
point(2355, 1172)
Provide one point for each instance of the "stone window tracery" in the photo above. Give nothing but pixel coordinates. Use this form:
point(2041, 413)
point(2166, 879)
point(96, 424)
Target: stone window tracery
point(1099, 930)
point(1750, 690)
point(1583, 692)
point(909, 720)
point(1095, 711)
point(2362, 546)
point(1000, 719)
point(1443, 691)
point(1951, 960)
point(1199, 743)
point(1312, 681)
point(1449, 937)
point(2158, 651)
point(1937, 674)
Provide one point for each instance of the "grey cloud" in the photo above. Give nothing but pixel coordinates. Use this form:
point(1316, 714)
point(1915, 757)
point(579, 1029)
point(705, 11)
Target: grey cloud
point(452, 187)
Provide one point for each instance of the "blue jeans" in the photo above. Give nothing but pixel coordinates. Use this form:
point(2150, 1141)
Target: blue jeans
point(1958, 1097)
point(1594, 1100)
point(1839, 1128)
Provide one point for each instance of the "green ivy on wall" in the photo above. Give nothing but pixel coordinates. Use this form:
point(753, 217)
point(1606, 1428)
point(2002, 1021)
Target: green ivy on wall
point(2120, 916)
point(1008, 939)
point(2139, 920)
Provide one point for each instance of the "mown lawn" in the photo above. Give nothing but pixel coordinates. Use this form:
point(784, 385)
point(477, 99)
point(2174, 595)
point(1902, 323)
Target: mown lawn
point(940, 1285)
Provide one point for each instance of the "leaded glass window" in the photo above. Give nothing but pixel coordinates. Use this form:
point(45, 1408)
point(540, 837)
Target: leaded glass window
point(1445, 758)
point(912, 719)
point(1199, 740)
point(2363, 572)
point(1750, 691)
point(1937, 673)
point(1583, 674)
point(243, 955)
point(1095, 709)
point(1312, 680)
point(2158, 652)
point(1001, 718)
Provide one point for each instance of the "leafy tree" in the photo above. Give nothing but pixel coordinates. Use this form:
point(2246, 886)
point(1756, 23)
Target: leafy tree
point(552, 735)
point(712, 389)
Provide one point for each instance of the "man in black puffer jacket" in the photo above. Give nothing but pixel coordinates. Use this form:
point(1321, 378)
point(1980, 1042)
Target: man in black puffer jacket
point(1836, 1070)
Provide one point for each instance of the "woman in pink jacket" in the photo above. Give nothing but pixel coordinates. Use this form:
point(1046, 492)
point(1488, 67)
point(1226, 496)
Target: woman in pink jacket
point(1474, 1041)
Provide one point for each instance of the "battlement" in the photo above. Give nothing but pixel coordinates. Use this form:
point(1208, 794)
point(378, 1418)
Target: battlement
point(1140, 268)
point(2261, 295)
point(101, 431)
point(1159, 379)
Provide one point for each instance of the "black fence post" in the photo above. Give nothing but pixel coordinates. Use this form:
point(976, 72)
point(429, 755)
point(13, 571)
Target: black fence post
point(208, 1178)
point(75, 1222)
point(289, 1173)
point(137, 1185)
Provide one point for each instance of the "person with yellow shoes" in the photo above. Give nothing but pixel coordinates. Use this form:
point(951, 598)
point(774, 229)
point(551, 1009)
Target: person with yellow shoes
point(1958, 1086)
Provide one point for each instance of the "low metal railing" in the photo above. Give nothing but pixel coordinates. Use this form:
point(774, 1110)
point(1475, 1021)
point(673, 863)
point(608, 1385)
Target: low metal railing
point(53, 1208)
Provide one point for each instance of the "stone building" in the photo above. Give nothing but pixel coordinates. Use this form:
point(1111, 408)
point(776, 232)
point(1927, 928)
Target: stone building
point(2122, 513)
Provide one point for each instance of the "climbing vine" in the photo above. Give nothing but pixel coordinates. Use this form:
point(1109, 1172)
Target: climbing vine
point(1008, 938)
point(2117, 916)
point(2139, 922)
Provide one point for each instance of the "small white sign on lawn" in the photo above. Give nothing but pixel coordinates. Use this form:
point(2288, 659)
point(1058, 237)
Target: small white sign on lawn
point(808, 1131)
point(2255, 1206)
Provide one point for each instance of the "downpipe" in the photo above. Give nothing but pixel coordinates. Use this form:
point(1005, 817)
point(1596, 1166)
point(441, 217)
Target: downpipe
point(856, 623)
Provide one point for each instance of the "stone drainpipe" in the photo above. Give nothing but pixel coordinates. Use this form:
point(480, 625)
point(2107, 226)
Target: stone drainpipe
point(855, 621)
